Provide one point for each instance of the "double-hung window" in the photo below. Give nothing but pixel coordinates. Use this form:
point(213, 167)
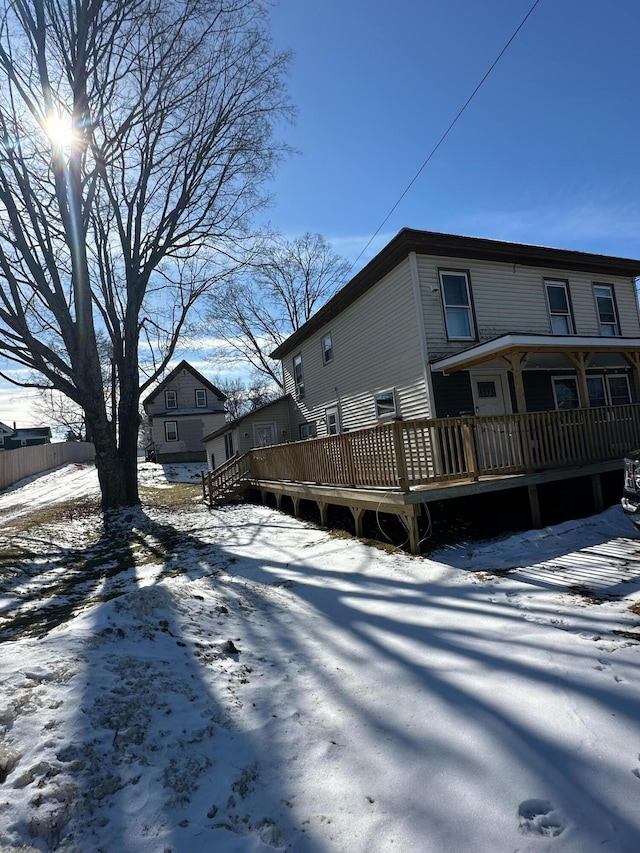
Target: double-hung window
point(559, 307)
point(298, 377)
point(565, 391)
point(201, 398)
point(607, 311)
point(327, 349)
point(171, 399)
point(171, 430)
point(610, 390)
point(456, 300)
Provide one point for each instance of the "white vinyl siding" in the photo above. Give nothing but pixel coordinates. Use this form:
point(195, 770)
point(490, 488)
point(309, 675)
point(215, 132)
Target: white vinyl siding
point(378, 341)
point(508, 298)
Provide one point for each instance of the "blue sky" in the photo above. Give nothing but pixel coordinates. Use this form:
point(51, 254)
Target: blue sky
point(546, 153)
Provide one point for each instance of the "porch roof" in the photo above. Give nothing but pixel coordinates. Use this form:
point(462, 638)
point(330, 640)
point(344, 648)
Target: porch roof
point(508, 344)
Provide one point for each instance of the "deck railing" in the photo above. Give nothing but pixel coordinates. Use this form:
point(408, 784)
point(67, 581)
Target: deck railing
point(402, 454)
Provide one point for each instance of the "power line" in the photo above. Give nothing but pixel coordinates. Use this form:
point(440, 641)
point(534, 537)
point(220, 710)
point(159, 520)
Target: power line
point(447, 131)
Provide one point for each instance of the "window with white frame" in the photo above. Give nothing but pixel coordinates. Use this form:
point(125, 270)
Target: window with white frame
point(333, 420)
point(201, 398)
point(456, 300)
point(385, 403)
point(171, 399)
point(308, 430)
point(298, 377)
point(559, 306)
point(565, 392)
point(609, 390)
point(327, 349)
point(607, 311)
point(171, 430)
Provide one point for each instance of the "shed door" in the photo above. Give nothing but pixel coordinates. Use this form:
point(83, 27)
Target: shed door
point(264, 434)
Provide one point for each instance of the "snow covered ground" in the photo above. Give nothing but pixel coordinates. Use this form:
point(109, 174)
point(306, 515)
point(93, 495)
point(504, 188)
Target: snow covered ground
point(188, 681)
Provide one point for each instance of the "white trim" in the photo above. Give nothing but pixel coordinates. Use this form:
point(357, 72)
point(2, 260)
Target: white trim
point(422, 334)
point(534, 343)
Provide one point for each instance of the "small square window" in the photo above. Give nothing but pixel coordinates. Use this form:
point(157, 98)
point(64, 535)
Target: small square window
point(171, 430)
point(327, 349)
point(201, 398)
point(171, 399)
point(385, 404)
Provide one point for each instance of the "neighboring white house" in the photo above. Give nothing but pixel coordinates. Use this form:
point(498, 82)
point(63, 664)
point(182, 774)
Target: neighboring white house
point(440, 325)
point(182, 409)
point(266, 425)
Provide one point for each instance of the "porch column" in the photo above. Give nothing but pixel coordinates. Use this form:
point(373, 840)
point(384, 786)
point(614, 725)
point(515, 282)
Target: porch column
point(515, 362)
point(581, 360)
point(633, 360)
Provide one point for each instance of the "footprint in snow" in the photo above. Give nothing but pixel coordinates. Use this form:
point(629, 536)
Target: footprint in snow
point(538, 817)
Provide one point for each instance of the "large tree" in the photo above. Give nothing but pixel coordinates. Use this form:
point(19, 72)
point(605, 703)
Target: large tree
point(136, 138)
point(282, 284)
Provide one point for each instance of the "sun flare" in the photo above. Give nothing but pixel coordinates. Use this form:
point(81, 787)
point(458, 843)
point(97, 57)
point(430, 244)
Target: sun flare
point(59, 130)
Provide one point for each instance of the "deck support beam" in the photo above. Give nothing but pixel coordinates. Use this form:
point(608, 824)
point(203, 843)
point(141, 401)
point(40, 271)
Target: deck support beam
point(296, 506)
point(411, 523)
point(322, 508)
point(596, 487)
point(534, 505)
point(357, 512)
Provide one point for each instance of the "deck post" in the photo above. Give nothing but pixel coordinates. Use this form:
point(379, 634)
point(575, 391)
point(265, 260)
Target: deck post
point(401, 459)
point(411, 523)
point(469, 450)
point(322, 507)
point(596, 487)
point(534, 504)
point(296, 505)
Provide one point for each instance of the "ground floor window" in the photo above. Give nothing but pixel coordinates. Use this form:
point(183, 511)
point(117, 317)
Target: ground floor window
point(171, 430)
point(604, 390)
point(307, 430)
point(385, 404)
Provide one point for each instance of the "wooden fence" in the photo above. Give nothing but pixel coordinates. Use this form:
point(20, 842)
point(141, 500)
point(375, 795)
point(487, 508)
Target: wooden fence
point(23, 462)
point(410, 453)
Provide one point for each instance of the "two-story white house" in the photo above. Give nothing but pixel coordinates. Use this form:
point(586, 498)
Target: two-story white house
point(439, 325)
point(182, 409)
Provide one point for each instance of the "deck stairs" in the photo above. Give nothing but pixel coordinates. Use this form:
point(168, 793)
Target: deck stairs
point(227, 482)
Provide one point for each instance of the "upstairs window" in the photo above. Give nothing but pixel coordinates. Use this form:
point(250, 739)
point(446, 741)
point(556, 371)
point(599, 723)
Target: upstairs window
point(607, 312)
point(456, 300)
point(327, 349)
point(171, 430)
point(298, 377)
point(171, 399)
point(201, 398)
point(559, 307)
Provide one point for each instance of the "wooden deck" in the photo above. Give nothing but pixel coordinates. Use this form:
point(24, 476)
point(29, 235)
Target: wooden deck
point(398, 466)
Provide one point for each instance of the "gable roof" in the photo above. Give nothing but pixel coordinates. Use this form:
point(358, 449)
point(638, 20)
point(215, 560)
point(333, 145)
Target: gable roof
point(230, 425)
point(184, 365)
point(451, 245)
